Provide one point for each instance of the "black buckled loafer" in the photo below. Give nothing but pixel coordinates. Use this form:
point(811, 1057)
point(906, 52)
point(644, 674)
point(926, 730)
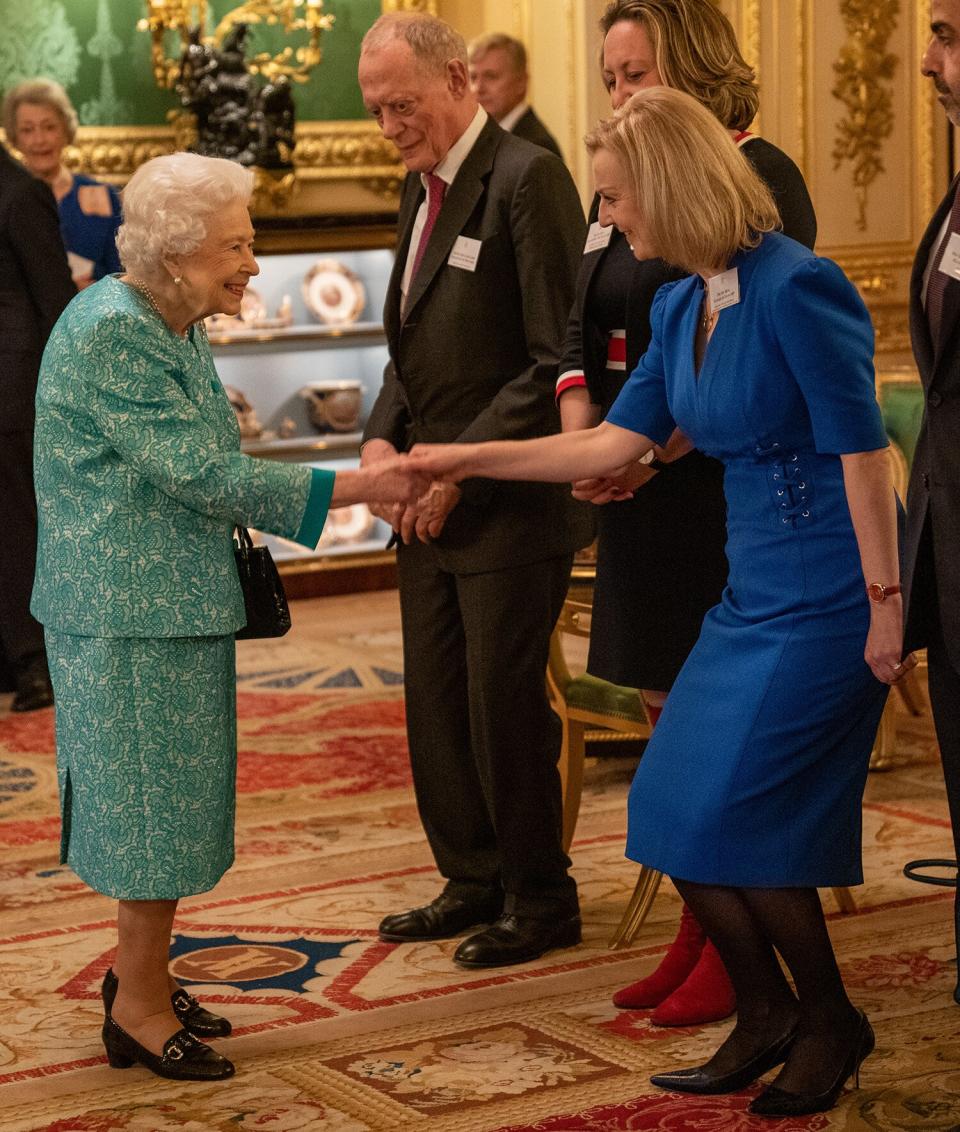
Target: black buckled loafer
point(517, 939)
point(704, 1083)
point(190, 1014)
point(197, 1019)
point(184, 1057)
point(442, 918)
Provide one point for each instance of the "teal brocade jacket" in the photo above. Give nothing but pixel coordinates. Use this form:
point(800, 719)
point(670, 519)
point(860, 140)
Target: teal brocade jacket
point(140, 479)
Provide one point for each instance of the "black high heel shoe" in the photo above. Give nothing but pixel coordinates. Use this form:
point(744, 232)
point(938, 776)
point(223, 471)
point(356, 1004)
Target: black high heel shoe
point(190, 1014)
point(704, 1083)
point(184, 1057)
point(774, 1101)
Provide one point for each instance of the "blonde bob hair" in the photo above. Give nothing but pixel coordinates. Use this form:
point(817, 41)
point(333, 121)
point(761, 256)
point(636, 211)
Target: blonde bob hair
point(696, 51)
point(701, 199)
point(39, 92)
point(167, 203)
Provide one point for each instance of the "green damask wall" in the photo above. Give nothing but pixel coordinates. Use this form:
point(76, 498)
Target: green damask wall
point(94, 49)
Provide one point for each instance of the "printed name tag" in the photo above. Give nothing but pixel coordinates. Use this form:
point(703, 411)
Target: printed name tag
point(950, 263)
point(598, 237)
point(724, 290)
point(465, 253)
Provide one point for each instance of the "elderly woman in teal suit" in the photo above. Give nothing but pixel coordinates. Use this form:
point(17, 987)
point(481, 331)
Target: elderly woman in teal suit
point(140, 481)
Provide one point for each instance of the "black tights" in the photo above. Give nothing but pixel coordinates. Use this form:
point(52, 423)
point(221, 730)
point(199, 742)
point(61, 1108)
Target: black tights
point(749, 928)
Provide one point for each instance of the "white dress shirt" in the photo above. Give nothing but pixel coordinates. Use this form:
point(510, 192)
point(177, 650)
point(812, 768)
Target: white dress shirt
point(508, 121)
point(446, 170)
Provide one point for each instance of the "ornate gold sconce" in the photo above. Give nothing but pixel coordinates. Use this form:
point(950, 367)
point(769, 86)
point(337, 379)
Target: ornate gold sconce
point(179, 16)
point(176, 16)
point(295, 65)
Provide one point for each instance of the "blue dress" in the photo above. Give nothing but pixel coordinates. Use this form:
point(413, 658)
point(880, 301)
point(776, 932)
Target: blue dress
point(754, 775)
point(88, 234)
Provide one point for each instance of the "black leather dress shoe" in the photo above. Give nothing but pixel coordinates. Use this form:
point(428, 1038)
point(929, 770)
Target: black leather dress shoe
point(442, 918)
point(184, 1057)
point(517, 939)
point(34, 689)
point(190, 1014)
point(702, 1082)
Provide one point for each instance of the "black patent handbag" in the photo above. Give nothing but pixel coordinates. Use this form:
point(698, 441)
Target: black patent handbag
point(268, 614)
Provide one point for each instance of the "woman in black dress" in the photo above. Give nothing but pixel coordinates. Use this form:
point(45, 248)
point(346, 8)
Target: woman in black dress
point(668, 539)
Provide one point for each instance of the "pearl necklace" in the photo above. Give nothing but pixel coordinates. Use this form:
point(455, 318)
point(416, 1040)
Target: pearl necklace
point(152, 300)
point(147, 294)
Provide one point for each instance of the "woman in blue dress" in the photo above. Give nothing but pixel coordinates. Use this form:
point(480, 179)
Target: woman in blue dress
point(40, 121)
point(749, 793)
point(140, 481)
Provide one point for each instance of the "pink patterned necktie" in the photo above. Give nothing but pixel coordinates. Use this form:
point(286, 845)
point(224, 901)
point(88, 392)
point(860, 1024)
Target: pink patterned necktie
point(436, 191)
point(938, 281)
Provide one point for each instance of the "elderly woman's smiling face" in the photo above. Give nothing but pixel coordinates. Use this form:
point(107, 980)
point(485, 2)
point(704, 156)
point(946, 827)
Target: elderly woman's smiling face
point(215, 276)
point(41, 136)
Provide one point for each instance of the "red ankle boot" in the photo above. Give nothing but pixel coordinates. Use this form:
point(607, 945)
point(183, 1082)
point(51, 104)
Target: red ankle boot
point(675, 967)
point(705, 996)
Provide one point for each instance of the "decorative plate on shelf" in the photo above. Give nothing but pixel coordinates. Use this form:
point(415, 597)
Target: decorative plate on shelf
point(252, 313)
point(333, 293)
point(347, 525)
point(334, 406)
point(252, 307)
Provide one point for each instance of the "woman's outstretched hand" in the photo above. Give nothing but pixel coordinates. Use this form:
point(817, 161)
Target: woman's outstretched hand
point(448, 462)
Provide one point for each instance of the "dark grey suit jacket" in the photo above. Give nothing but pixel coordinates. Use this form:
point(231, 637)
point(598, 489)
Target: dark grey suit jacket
point(935, 476)
point(35, 286)
point(530, 127)
point(474, 356)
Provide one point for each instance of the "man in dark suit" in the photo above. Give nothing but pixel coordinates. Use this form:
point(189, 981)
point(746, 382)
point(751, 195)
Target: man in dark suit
point(499, 78)
point(35, 286)
point(474, 315)
point(932, 549)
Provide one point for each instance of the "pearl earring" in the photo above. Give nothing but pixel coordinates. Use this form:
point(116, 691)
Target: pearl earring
point(178, 279)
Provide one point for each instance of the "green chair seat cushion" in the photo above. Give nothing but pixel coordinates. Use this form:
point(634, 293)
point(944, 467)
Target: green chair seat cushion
point(589, 693)
point(901, 404)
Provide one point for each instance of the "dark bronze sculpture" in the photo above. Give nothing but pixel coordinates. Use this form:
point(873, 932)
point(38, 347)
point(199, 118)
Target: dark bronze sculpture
point(235, 118)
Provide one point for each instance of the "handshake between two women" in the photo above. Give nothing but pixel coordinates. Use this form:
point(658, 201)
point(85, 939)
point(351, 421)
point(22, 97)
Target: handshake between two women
point(430, 473)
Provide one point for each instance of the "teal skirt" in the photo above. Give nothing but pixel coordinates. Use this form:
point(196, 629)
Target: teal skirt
point(146, 761)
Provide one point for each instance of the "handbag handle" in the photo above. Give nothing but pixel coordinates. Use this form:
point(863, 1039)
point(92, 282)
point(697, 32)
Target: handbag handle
point(242, 538)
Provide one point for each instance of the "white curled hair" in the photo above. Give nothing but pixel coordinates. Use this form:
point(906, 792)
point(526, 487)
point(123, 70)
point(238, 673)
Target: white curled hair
point(167, 203)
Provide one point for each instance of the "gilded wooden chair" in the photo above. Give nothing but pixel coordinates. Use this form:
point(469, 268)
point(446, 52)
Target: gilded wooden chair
point(586, 704)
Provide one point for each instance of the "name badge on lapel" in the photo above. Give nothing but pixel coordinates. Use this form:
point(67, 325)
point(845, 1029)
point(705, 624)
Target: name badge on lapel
point(724, 290)
point(950, 261)
point(598, 237)
point(465, 253)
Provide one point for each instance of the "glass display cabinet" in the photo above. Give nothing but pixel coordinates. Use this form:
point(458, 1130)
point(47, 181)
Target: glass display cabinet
point(303, 366)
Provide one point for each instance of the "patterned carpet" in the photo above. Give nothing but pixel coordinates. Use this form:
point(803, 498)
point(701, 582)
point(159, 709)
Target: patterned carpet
point(335, 1030)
